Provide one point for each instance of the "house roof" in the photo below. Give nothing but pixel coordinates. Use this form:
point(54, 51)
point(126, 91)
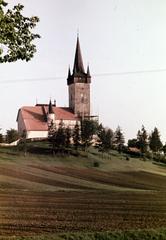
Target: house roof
point(35, 118)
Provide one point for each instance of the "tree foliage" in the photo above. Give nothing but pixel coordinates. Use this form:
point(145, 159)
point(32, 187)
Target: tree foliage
point(11, 135)
point(1, 138)
point(132, 143)
point(16, 36)
point(155, 143)
point(68, 135)
point(119, 139)
point(88, 129)
point(60, 139)
point(105, 136)
point(76, 136)
point(142, 140)
point(164, 149)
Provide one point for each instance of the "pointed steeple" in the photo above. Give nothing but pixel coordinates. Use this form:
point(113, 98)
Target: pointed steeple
point(78, 62)
point(50, 108)
point(69, 73)
point(88, 71)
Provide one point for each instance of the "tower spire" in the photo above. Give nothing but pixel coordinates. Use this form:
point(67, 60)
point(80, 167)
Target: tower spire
point(78, 62)
point(50, 108)
point(88, 71)
point(69, 73)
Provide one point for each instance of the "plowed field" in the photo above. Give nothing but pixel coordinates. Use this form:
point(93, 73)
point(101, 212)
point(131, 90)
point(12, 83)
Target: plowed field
point(46, 198)
point(36, 213)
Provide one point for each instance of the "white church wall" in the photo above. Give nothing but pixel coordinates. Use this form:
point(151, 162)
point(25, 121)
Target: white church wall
point(37, 134)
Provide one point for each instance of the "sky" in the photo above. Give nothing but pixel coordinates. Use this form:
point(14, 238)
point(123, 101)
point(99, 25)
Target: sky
point(124, 43)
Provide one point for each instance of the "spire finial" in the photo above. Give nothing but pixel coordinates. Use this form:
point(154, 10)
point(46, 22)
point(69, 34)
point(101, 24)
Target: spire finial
point(77, 32)
point(88, 71)
point(78, 62)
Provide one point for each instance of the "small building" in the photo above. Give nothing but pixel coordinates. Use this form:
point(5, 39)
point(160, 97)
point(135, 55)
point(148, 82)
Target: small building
point(35, 120)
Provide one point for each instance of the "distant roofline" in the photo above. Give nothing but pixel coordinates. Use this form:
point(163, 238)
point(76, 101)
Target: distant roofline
point(43, 105)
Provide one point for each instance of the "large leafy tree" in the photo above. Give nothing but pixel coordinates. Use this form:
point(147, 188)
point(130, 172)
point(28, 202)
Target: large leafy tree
point(11, 135)
point(155, 143)
point(88, 130)
point(16, 36)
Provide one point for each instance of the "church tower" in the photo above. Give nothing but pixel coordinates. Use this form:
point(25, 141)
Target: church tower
point(79, 86)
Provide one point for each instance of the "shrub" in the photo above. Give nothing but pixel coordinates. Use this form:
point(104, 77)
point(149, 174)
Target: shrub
point(96, 164)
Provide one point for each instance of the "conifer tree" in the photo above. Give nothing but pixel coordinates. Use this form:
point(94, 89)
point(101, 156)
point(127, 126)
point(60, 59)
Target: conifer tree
point(105, 138)
point(154, 141)
point(164, 149)
point(119, 139)
point(76, 136)
point(60, 139)
point(52, 133)
point(68, 137)
point(142, 140)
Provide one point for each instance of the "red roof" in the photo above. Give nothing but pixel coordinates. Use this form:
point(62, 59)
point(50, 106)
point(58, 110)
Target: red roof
point(35, 118)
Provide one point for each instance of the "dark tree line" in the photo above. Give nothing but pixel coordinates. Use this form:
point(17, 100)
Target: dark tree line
point(145, 142)
point(10, 136)
point(83, 135)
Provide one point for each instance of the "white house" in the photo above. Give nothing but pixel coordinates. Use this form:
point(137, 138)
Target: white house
point(36, 120)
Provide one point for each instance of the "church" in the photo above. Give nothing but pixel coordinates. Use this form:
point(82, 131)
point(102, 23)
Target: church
point(35, 120)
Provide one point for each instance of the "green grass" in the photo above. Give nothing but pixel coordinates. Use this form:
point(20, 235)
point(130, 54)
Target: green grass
point(41, 152)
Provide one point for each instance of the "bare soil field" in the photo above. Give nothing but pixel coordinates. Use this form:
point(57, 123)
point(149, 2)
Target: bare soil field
point(40, 213)
point(47, 197)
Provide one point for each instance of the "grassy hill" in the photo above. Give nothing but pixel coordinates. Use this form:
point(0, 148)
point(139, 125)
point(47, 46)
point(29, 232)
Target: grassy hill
point(41, 194)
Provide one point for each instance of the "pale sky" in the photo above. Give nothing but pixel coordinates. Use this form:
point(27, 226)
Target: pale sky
point(116, 36)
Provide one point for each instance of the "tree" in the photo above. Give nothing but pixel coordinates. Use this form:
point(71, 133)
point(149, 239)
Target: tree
point(119, 139)
point(1, 138)
point(164, 149)
point(76, 136)
point(23, 141)
point(16, 36)
point(132, 143)
point(105, 138)
point(88, 130)
point(68, 137)
point(12, 135)
point(60, 138)
point(52, 132)
point(142, 140)
point(155, 143)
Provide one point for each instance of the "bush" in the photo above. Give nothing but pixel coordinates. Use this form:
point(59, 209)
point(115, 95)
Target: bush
point(96, 164)
point(127, 158)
